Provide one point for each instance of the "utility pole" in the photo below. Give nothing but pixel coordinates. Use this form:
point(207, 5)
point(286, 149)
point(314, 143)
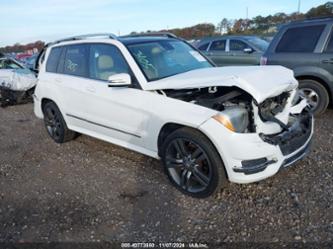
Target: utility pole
point(247, 17)
point(299, 7)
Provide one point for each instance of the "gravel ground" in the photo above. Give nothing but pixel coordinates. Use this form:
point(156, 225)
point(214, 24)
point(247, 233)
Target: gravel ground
point(88, 190)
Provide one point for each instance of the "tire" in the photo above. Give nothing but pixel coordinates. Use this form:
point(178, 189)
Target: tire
point(315, 92)
point(55, 124)
point(197, 155)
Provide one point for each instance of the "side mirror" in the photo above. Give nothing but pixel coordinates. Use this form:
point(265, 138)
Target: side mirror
point(248, 50)
point(119, 80)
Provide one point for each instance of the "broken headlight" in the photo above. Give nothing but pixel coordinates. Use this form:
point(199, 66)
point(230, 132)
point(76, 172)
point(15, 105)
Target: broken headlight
point(234, 118)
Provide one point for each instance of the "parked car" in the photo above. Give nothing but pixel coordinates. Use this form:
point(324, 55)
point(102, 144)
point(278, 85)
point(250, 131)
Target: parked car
point(159, 96)
point(16, 82)
point(306, 47)
point(233, 50)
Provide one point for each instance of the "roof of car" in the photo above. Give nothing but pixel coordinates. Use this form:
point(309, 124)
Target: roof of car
point(311, 21)
point(213, 38)
point(127, 40)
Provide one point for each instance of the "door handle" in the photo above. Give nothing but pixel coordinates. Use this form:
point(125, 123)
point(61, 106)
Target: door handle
point(57, 80)
point(329, 61)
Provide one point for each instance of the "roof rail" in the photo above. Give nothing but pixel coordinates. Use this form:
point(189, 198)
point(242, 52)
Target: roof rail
point(87, 36)
point(320, 18)
point(167, 34)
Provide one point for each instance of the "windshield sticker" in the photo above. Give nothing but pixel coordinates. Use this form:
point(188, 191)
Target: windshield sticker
point(197, 56)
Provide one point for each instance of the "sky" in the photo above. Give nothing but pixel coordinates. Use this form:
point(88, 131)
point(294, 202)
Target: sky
point(25, 21)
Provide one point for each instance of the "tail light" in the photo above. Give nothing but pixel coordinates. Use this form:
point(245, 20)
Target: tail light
point(263, 61)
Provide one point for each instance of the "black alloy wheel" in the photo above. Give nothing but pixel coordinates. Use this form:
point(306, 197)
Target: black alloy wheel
point(55, 124)
point(192, 163)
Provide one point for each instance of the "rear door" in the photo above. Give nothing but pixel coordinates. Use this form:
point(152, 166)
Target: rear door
point(68, 69)
point(217, 52)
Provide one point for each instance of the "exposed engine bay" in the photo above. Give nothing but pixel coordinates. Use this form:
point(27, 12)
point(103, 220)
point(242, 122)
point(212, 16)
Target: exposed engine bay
point(241, 109)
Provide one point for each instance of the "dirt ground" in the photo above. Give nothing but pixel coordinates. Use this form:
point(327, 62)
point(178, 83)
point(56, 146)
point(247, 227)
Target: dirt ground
point(88, 190)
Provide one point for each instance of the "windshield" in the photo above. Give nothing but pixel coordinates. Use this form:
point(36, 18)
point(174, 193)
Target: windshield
point(164, 58)
point(259, 43)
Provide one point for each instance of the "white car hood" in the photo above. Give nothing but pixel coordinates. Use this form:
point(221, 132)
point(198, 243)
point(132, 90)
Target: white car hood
point(261, 82)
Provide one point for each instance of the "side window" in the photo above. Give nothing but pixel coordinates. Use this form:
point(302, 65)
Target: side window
point(106, 60)
point(9, 64)
point(218, 45)
point(53, 60)
point(203, 47)
point(237, 45)
point(76, 60)
point(300, 39)
point(329, 47)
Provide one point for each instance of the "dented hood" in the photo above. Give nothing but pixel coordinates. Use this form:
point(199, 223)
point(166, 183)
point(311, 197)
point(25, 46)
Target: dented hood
point(261, 82)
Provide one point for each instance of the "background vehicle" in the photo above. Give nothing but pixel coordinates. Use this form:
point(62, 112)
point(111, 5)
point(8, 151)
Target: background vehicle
point(16, 82)
point(233, 50)
point(159, 96)
point(307, 48)
point(30, 62)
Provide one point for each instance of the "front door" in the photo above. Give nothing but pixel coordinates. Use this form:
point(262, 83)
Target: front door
point(110, 113)
point(238, 56)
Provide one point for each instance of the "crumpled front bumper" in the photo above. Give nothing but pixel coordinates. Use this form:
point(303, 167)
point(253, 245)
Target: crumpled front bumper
point(253, 157)
point(295, 136)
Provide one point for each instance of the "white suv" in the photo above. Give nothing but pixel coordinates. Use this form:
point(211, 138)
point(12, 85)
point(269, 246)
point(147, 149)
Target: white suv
point(159, 96)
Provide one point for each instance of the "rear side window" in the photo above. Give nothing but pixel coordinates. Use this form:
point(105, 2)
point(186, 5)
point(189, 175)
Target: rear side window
point(76, 60)
point(218, 45)
point(204, 47)
point(300, 39)
point(236, 45)
point(53, 60)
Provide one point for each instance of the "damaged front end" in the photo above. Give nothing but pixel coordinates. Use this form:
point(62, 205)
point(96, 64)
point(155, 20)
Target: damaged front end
point(293, 116)
point(16, 86)
point(284, 121)
point(239, 111)
point(233, 104)
point(9, 97)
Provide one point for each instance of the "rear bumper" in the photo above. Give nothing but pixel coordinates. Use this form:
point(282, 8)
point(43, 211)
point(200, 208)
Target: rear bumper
point(249, 158)
point(38, 107)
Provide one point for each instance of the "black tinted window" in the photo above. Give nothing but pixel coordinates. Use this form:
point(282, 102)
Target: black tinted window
point(301, 39)
point(53, 60)
point(236, 45)
point(76, 60)
point(106, 60)
point(204, 47)
point(218, 45)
